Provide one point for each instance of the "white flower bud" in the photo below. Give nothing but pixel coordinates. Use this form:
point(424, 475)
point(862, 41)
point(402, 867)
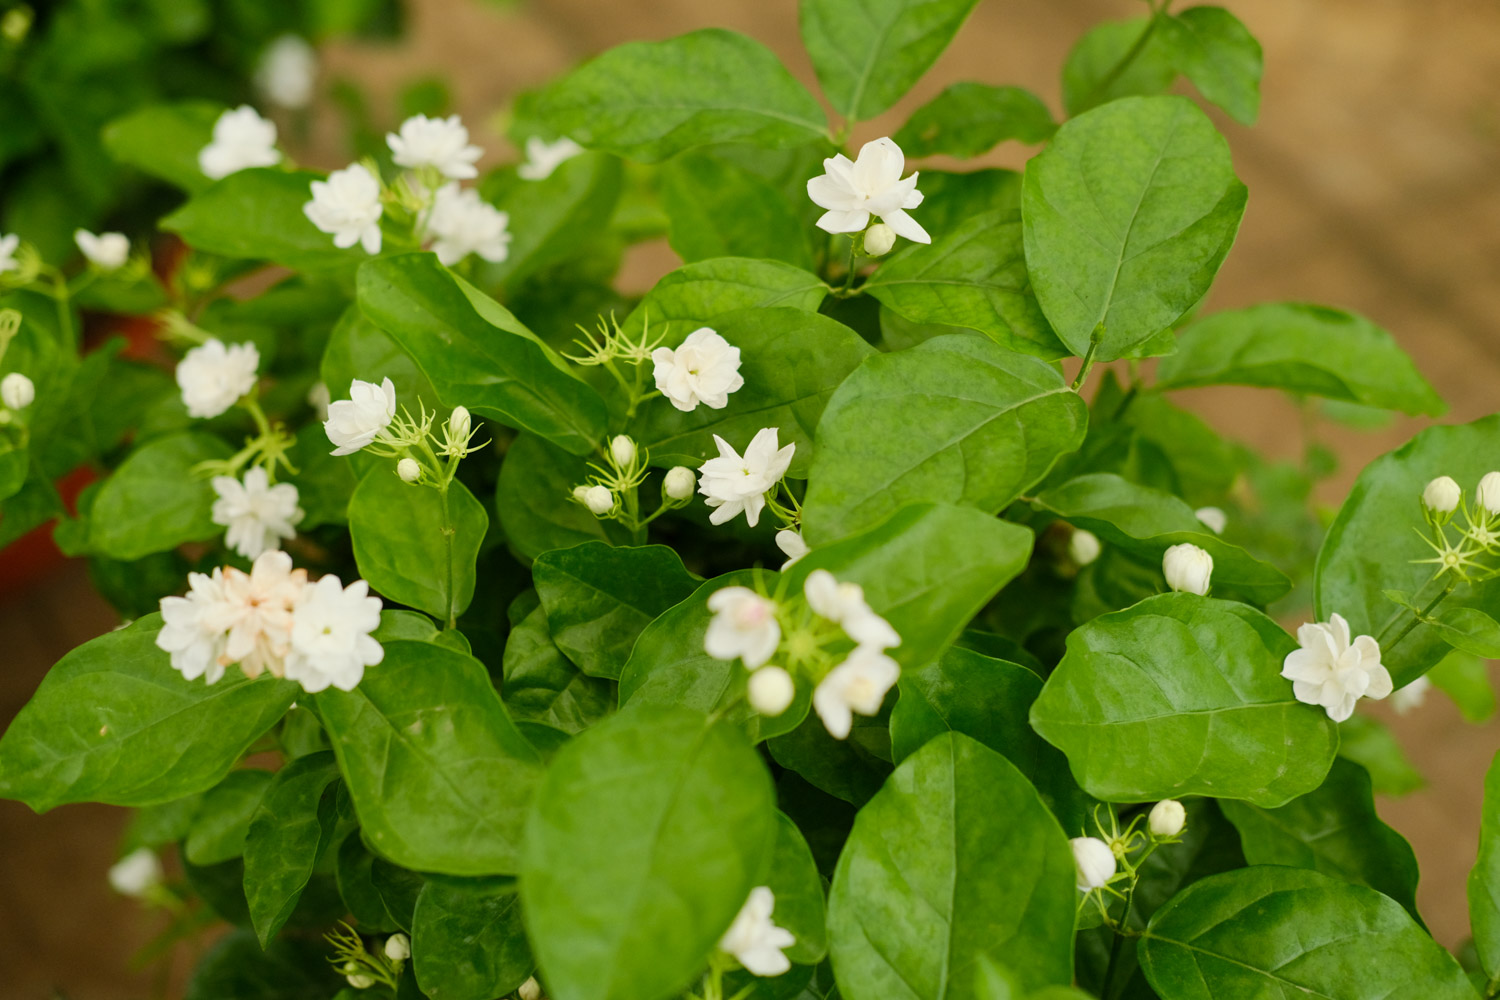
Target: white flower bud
point(137, 873)
point(460, 424)
point(398, 947)
point(1094, 861)
point(771, 690)
point(408, 470)
point(530, 990)
point(1488, 492)
point(580, 493)
point(360, 981)
point(1083, 547)
point(1442, 495)
point(17, 391)
point(680, 482)
point(622, 450)
point(879, 239)
point(1187, 568)
point(1213, 519)
point(1167, 818)
point(599, 500)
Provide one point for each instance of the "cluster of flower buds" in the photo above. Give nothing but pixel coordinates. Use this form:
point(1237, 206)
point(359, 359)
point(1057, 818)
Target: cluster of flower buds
point(363, 969)
point(1442, 501)
point(368, 421)
point(1117, 855)
point(17, 391)
point(609, 493)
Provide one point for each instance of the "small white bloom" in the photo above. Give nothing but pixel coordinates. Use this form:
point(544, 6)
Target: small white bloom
point(1167, 818)
point(771, 690)
point(17, 391)
point(287, 72)
point(8, 247)
point(1083, 547)
point(622, 450)
point(347, 207)
point(755, 940)
point(106, 251)
point(530, 990)
point(679, 482)
point(408, 470)
point(733, 484)
point(257, 612)
point(1334, 672)
point(318, 397)
point(460, 423)
point(242, 139)
point(213, 377)
point(257, 514)
point(581, 493)
point(193, 628)
point(704, 369)
point(879, 239)
point(1187, 568)
point(852, 191)
point(398, 947)
point(1442, 495)
point(1488, 492)
point(1094, 861)
point(599, 500)
point(137, 873)
point(1411, 696)
point(543, 157)
point(744, 625)
point(360, 980)
point(462, 223)
point(1212, 518)
point(859, 684)
point(355, 422)
point(844, 604)
point(441, 143)
point(331, 641)
point(792, 545)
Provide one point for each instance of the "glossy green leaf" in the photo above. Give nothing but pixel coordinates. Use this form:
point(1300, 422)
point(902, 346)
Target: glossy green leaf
point(717, 209)
point(468, 939)
point(285, 841)
point(1484, 878)
point(164, 140)
point(155, 500)
point(1128, 214)
point(956, 857)
point(358, 349)
point(1371, 745)
point(696, 294)
point(647, 835)
point(851, 769)
point(1097, 69)
point(1465, 677)
point(541, 684)
point(1468, 630)
point(1212, 48)
point(354, 867)
point(968, 119)
point(551, 220)
point(800, 908)
point(1158, 701)
point(222, 819)
point(290, 969)
point(533, 499)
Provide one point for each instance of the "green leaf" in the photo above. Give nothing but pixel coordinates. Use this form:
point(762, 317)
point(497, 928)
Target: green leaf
point(1097, 69)
point(413, 545)
point(1148, 522)
point(851, 769)
point(1310, 350)
point(598, 598)
point(955, 857)
point(1213, 49)
point(1333, 829)
point(533, 501)
point(286, 840)
point(717, 209)
point(868, 53)
point(973, 277)
point(477, 354)
point(113, 722)
point(358, 349)
point(1156, 701)
point(1469, 630)
point(697, 294)
point(439, 775)
point(164, 140)
point(792, 361)
point(155, 500)
point(1484, 878)
point(551, 220)
point(1272, 931)
point(955, 419)
point(468, 939)
point(798, 888)
point(647, 834)
point(355, 867)
point(1465, 677)
point(1128, 214)
point(221, 821)
point(541, 684)
point(968, 119)
point(324, 483)
point(1371, 745)
point(648, 100)
point(290, 969)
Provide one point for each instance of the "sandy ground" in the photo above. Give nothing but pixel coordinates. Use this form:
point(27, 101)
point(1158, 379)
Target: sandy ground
point(1374, 186)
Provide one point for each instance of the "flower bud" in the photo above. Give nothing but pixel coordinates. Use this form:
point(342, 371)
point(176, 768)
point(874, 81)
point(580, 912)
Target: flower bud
point(599, 500)
point(1083, 547)
point(398, 947)
point(622, 450)
point(1442, 495)
point(771, 690)
point(1187, 568)
point(580, 493)
point(879, 239)
point(408, 470)
point(137, 873)
point(530, 990)
point(460, 424)
point(680, 483)
point(17, 391)
point(360, 981)
point(1213, 519)
point(1488, 492)
point(1167, 818)
point(1094, 862)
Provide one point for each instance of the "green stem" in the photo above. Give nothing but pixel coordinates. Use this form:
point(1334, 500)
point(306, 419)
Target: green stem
point(638, 533)
point(1418, 618)
point(1117, 943)
point(1119, 68)
point(448, 532)
point(64, 309)
point(1088, 358)
point(849, 278)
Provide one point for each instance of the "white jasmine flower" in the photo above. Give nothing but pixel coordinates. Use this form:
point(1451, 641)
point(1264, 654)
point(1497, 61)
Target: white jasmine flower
point(136, 874)
point(1411, 696)
point(257, 514)
point(213, 377)
point(347, 207)
point(287, 72)
point(1487, 493)
point(8, 247)
point(360, 980)
point(599, 500)
point(744, 625)
point(1094, 861)
point(622, 450)
point(869, 185)
point(1334, 672)
point(1212, 518)
point(771, 691)
point(257, 612)
point(318, 397)
point(1167, 818)
point(441, 143)
point(543, 157)
point(106, 251)
point(859, 684)
point(330, 638)
point(679, 482)
point(17, 391)
point(733, 484)
point(844, 604)
point(398, 947)
point(1442, 495)
point(355, 422)
point(1187, 568)
point(1083, 547)
point(791, 545)
point(879, 239)
point(704, 369)
point(755, 940)
point(460, 424)
point(242, 139)
point(462, 223)
point(193, 628)
point(408, 470)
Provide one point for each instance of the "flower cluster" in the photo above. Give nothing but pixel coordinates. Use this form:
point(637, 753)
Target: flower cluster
point(272, 620)
point(362, 969)
point(1462, 558)
point(368, 420)
point(1098, 861)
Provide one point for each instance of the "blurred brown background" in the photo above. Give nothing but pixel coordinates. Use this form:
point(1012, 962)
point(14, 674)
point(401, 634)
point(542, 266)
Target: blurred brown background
point(1373, 186)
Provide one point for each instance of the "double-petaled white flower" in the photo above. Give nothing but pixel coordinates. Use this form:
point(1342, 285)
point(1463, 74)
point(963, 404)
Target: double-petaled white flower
point(347, 207)
point(213, 377)
point(106, 251)
point(355, 422)
point(844, 604)
point(330, 635)
point(733, 484)
point(755, 940)
point(440, 143)
point(17, 391)
point(852, 191)
point(242, 139)
point(1188, 568)
point(1333, 671)
point(257, 514)
point(1093, 861)
point(8, 247)
point(704, 369)
point(744, 625)
point(859, 684)
point(543, 157)
point(192, 629)
point(257, 613)
point(462, 223)
point(287, 72)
